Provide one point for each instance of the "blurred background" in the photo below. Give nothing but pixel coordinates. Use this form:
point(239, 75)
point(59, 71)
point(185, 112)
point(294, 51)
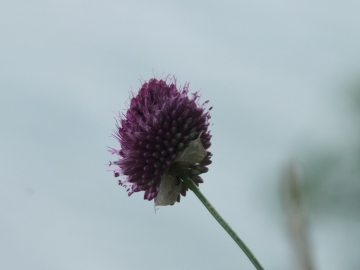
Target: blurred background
point(283, 78)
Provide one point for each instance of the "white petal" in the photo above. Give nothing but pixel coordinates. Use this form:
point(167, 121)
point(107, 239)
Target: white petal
point(194, 153)
point(169, 191)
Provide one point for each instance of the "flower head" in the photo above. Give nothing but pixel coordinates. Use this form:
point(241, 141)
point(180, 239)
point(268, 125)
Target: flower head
point(162, 127)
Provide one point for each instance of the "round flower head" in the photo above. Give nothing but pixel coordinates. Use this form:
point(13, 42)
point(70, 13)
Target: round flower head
point(162, 128)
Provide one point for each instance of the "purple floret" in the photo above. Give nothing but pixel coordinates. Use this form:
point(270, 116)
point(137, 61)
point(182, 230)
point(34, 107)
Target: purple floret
point(160, 123)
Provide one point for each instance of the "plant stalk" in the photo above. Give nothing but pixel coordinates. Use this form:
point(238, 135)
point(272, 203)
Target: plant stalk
point(191, 185)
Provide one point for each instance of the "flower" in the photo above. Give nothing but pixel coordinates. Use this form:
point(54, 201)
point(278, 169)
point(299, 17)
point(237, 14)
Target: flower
point(162, 127)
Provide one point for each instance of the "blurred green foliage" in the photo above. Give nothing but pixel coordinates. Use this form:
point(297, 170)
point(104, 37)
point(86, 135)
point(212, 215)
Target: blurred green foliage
point(331, 179)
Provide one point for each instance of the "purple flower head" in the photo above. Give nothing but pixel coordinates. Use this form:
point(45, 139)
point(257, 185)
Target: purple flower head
point(162, 127)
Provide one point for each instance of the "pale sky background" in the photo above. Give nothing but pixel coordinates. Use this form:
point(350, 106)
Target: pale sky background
point(272, 70)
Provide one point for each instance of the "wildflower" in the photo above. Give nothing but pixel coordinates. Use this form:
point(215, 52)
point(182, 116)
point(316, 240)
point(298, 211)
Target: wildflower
point(162, 129)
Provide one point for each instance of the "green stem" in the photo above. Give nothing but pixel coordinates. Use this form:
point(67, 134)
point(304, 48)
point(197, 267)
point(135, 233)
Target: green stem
point(190, 184)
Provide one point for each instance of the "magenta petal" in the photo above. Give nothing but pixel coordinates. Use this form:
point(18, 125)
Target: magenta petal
point(156, 129)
